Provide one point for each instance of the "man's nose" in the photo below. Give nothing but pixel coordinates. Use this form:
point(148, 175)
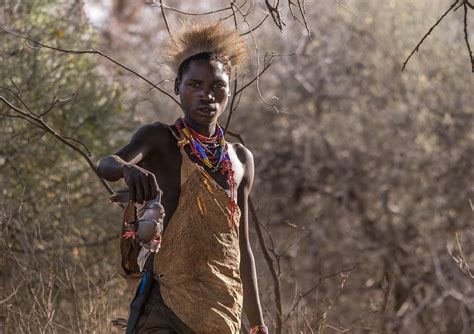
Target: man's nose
point(207, 94)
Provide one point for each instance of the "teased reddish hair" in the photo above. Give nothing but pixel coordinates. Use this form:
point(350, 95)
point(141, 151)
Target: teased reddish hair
point(200, 37)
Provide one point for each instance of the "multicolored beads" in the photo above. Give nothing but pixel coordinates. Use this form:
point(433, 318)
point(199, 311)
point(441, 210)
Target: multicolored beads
point(212, 152)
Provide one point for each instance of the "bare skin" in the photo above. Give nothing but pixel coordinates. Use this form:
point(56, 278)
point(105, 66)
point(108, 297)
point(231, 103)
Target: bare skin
point(150, 162)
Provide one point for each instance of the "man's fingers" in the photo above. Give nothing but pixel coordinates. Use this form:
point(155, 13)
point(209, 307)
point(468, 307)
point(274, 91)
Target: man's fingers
point(146, 188)
point(133, 192)
point(142, 184)
point(139, 194)
point(154, 186)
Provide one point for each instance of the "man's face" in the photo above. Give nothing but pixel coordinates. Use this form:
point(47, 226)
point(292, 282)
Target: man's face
point(203, 91)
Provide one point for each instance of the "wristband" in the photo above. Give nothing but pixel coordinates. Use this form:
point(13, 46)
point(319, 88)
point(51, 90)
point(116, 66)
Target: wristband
point(259, 329)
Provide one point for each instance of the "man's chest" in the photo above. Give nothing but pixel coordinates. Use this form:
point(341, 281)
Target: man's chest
point(221, 176)
point(167, 168)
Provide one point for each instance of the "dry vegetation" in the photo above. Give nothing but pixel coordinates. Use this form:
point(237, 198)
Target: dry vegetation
point(362, 206)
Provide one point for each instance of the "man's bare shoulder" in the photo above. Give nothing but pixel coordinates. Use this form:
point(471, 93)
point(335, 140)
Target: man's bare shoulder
point(149, 139)
point(246, 168)
point(156, 134)
point(244, 155)
point(152, 131)
point(242, 152)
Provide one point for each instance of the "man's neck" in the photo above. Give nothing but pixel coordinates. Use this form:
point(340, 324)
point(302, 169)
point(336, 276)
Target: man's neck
point(205, 130)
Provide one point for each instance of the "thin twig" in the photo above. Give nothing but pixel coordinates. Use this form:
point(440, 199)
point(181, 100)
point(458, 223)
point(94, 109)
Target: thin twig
point(232, 4)
point(417, 47)
point(266, 254)
point(188, 13)
point(466, 35)
point(345, 8)
point(18, 95)
point(257, 26)
point(80, 143)
point(302, 7)
point(240, 97)
point(265, 67)
point(231, 108)
point(233, 105)
point(164, 18)
point(273, 105)
point(271, 266)
point(317, 284)
point(233, 12)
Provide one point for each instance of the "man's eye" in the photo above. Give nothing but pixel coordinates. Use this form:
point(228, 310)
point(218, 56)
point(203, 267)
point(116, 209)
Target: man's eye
point(219, 85)
point(193, 84)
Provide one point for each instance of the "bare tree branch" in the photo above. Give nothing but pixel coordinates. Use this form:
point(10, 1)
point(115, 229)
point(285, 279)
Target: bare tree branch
point(416, 49)
point(302, 8)
point(301, 5)
point(17, 94)
point(160, 4)
point(38, 44)
point(274, 11)
point(231, 107)
point(466, 4)
point(466, 35)
point(40, 123)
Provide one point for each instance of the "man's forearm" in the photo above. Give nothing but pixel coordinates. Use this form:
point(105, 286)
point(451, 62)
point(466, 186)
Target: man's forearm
point(110, 168)
point(249, 280)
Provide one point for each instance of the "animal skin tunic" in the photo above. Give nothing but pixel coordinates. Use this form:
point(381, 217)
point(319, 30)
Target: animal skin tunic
point(199, 259)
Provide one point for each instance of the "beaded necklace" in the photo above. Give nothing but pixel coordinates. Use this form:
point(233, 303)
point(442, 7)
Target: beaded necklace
point(211, 152)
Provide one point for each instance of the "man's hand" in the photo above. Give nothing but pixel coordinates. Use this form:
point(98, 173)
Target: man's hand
point(142, 183)
point(126, 162)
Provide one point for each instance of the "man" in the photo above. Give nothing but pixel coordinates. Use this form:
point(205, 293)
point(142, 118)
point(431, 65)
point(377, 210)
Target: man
point(204, 273)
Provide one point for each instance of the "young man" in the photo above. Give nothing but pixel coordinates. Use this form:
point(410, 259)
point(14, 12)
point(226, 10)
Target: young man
point(204, 273)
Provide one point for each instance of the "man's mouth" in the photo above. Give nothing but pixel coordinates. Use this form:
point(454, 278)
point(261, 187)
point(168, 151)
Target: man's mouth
point(207, 110)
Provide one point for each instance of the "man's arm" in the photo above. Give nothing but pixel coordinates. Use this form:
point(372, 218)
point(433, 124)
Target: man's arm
point(123, 164)
point(247, 263)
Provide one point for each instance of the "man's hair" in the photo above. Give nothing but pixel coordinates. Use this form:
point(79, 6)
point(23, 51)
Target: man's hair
point(211, 41)
point(204, 56)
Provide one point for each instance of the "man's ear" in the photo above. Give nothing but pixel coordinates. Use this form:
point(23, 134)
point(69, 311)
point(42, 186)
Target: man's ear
point(229, 93)
point(177, 82)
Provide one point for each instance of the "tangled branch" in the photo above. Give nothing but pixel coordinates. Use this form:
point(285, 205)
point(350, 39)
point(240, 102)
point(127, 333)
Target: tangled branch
point(459, 258)
point(301, 7)
point(275, 11)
